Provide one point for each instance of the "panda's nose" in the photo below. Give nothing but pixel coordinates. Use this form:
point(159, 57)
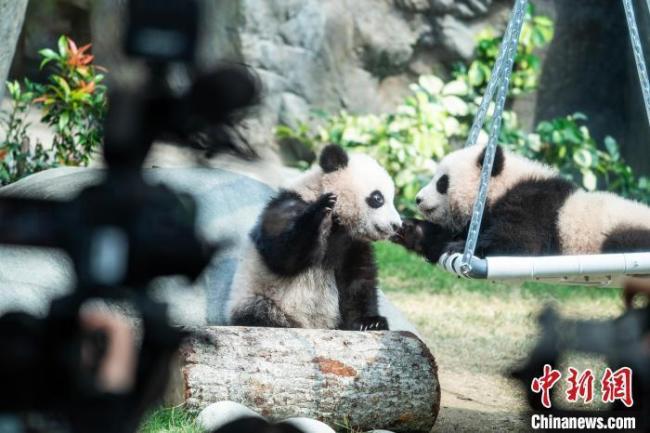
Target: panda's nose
point(418, 200)
point(395, 226)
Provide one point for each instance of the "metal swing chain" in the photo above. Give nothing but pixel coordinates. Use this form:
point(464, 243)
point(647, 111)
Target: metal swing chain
point(518, 14)
point(500, 80)
point(639, 58)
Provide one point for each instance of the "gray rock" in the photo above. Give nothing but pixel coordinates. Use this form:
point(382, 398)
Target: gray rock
point(228, 206)
point(221, 413)
point(355, 55)
point(12, 15)
point(309, 425)
point(457, 37)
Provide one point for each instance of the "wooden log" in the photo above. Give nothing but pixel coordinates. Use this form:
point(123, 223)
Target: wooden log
point(370, 380)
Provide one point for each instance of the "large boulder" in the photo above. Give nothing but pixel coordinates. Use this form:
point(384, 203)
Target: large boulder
point(228, 205)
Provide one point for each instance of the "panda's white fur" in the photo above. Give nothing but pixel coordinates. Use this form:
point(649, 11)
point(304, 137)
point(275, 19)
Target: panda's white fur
point(352, 185)
point(264, 293)
point(311, 298)
point(588, 218)
point(584, 221)
point(454, 209)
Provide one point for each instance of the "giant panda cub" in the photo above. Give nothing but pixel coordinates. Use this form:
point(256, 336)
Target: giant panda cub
point(309, 262)
point(530, 210)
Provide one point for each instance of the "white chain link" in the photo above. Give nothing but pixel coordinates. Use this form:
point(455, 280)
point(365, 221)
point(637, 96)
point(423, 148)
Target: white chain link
point(500, 80)
point(639, 58)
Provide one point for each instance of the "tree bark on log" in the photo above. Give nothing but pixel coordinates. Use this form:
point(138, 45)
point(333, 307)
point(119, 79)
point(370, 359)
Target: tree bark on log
point(370, 380)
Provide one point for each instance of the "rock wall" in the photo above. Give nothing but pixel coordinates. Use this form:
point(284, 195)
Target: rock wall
point(358, 55)
point(361, 55)
point(12, 14)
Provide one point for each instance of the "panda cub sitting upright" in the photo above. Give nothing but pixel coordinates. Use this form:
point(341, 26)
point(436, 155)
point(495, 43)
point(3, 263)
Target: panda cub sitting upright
point(530, 210)
point(309, 262)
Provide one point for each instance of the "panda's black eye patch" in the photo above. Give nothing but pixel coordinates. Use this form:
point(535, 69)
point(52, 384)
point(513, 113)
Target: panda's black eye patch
point(375, 200)
point(443, 184)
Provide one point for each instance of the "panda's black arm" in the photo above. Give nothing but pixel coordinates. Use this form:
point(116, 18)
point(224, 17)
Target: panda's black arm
point(423, 237)
point(356, 279)
point(288, 235)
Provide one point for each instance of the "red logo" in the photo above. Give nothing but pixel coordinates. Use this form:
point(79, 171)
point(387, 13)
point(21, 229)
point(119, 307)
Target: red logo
point(617, 386)
point(580, 387)
point(545, 383)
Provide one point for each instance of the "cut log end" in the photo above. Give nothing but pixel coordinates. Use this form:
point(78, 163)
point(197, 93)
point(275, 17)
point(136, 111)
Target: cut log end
point(367, 380)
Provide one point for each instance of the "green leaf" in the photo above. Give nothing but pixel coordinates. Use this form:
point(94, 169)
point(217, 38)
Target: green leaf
point(431, 84)
point(475, 75)
point(583, 158)
point(455, 106)
point(48, 53)
point(612, 148)
point(589, 180)
point(63, 84)
point(538, 37)
point(45, 62)
point(63, 46)
point(455, 88)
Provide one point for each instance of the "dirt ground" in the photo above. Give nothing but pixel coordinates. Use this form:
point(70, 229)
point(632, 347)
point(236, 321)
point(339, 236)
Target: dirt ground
point(477, 339)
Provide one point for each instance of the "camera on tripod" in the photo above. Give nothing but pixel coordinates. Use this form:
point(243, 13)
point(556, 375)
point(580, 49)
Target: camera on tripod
point(120, 234)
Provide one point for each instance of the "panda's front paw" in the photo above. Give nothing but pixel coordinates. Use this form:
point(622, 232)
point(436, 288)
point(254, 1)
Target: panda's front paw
point(371, 323)
point(410, 235)
point(327, 201)
point(455, 247)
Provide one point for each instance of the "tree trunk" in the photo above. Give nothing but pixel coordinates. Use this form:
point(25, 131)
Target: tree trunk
point(367, 379)
point(12, 15)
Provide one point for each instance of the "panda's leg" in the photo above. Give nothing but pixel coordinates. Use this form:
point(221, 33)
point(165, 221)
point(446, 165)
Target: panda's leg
point(263, 312)
point(423, 237)
point(626, 239)
point(290, 232)
point(356, 281)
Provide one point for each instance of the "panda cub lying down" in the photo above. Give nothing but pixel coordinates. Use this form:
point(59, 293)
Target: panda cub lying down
point(309, 261)
point(530, 210)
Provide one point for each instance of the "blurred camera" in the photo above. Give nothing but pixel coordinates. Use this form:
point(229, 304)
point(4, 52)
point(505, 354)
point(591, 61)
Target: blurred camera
point(162, 31)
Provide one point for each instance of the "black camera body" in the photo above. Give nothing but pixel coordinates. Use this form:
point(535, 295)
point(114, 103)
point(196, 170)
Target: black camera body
point(120, 234)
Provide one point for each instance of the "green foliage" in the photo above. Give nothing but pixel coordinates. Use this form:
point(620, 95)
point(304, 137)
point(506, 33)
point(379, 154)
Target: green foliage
point(565, 143)
point(536, 32)
point(74, 105)
point(18, 158)
point(74, 102)
point(436, 116)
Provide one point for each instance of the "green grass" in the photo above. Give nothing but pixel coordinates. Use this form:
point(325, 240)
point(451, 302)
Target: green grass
point(405, 272)
point(170, 420)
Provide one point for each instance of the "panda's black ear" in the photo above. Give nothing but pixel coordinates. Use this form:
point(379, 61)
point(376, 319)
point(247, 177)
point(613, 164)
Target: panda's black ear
point(499, 160)
point(333, 158)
